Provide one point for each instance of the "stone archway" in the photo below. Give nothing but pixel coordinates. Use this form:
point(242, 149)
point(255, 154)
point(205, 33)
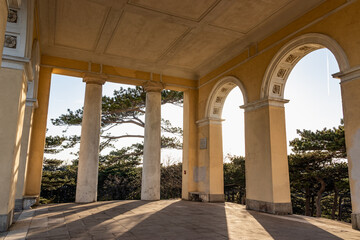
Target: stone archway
point(218, 94)
point(272, 93)
point(284, 61)
point(209, 173)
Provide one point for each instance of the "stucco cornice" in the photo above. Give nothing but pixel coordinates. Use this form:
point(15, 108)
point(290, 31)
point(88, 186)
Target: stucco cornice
point(275, 102)
point(348, 75)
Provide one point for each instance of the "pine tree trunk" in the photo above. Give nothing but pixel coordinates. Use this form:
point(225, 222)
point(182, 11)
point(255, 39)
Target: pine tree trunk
point(334, 208)
point(307, 201)
point(312, 205)
point(340, 208)
point(319, 196)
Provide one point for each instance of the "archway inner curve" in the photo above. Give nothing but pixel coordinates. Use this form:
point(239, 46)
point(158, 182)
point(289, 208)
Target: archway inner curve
point(284, 61)
point(220, 91)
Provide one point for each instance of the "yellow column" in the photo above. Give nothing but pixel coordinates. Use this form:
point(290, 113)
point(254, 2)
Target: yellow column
point(209, 171)
point(12, 106)
point(350, 92)
point(37, 141)
point(3, 21)
point(266, 164)
point(189, 161)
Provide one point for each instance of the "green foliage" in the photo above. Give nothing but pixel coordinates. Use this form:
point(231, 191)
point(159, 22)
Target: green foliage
point(56, 144)
point(58, 182)
point(170, 187)
point(234, 179)
point(319, 174)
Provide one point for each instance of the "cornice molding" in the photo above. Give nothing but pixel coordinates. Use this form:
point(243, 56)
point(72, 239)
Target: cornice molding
point(152, 86)
point(348, 75)
point(208, 121)
point(275, 102)
point(91, 78)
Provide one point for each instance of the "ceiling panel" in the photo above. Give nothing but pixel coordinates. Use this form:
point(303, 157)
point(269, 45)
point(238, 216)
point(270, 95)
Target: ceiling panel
point(78, 23)
point(144, 37)
point(184, 38)
point(244, 15)
point(189, 9)
point(203, 45)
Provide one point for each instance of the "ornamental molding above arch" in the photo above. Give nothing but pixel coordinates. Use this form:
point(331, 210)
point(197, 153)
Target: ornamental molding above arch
point(218, 94)
point(283, 62)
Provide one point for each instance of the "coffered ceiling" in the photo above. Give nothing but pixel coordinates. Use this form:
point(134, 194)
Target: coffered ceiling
point(184, 38)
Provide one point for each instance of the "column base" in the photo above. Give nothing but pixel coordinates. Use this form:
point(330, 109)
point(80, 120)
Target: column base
point(18, 205)
point(6, 220)
point(355, 221)
point(269, 207)
point(25, 203)
point(204, 197)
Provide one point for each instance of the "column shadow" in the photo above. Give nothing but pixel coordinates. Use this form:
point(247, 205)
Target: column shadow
point(86, 221)
point(182, 220)
point(284, 229)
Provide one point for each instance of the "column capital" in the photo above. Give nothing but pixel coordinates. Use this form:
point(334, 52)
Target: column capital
point(276, 102)
point(208, 121)
point(348, 75)
point(91, 78)
point(152, 86)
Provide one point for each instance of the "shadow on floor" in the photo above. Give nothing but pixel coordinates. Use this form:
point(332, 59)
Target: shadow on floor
point(283, 229)
point(166, 219)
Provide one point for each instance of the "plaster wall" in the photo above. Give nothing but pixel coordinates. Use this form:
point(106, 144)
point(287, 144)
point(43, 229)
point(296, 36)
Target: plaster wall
point(216, 178)
point(258, 168)
point(190, 146)
point(12, 97)
point(350, 92)
point(25, 140)
point(202, 172)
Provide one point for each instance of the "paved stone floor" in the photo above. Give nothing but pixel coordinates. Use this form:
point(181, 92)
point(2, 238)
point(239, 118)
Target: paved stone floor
point(169, 219)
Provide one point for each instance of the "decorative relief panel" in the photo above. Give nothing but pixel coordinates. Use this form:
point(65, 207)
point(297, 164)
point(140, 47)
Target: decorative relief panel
point(224, 90)
point(281, 73)
point(305, 48)
point(218, 99)
point(12, 16)
point(10, 41)
point(291, 58)
point(216, 111)
point(276, 90)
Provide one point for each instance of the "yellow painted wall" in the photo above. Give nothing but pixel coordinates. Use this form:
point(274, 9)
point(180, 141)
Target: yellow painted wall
point(121, 75)
point(258, 168)
point(190, 146)
point(331, 18)
point(350, 92)
point(216, 159)
point(12, 107)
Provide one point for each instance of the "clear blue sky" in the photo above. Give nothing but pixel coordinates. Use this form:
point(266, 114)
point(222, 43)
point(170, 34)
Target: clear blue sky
point(315, 103)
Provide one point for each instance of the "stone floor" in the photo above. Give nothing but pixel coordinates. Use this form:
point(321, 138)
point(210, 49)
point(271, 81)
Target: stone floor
point(169, 219)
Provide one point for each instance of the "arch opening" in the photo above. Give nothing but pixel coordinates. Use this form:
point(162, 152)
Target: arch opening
point(214, 113)
point(273, 88)
point(288, 56)
point(220, 91)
